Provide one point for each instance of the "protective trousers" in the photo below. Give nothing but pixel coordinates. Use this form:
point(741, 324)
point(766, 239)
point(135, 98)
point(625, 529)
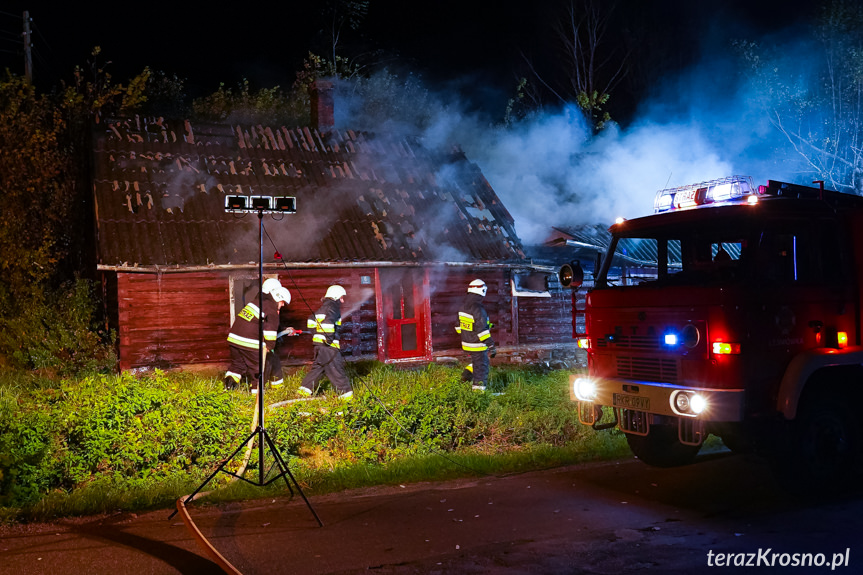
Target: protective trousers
point(244, 363)
point(273, 369)
point(478, 370)
point(328, 360)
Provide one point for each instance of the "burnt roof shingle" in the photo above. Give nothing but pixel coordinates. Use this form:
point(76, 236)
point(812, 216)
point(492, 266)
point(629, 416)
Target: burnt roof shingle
point(160, 190)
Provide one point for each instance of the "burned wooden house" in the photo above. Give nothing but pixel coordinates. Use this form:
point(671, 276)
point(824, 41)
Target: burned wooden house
point(402, 227)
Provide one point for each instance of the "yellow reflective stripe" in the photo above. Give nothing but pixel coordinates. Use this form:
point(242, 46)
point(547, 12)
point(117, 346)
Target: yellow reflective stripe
point(311, 323)
point(465, 321)
point(270, 335)
point(458, 329)
point(235, 376)
point(469, 367)
point(339, 322)
point(321, 338)
point(243, 341)
point(328, 328)
point(473, 346)
point(484, 335)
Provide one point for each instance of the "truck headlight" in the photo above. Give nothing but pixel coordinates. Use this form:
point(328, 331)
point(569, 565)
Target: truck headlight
point(584, 388)
point(697, 403)
point(682, 402)
point(688, 403)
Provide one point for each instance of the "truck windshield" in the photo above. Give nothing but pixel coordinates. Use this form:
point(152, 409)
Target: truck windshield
point(723, 251)
point(695, 258)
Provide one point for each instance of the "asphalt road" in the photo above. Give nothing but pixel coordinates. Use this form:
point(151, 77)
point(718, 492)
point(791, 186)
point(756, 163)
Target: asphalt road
point(607, 518)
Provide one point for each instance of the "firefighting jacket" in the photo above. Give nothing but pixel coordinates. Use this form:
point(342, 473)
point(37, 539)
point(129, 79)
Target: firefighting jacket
point(246, 330)
point(473, 325)
point(326, 323)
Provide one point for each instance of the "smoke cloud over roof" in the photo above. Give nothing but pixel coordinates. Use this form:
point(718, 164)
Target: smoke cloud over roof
point(549, 170)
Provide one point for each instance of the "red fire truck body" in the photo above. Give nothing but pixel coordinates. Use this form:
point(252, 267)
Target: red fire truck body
point(734, 311)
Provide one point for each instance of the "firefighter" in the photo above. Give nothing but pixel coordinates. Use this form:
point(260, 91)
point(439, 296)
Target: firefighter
point(273, 364)
point(328, 356)
point(273, 374)
point(244, 339)
point(474, 327)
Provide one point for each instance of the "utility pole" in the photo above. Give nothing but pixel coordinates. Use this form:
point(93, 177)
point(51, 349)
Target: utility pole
point(28, 56)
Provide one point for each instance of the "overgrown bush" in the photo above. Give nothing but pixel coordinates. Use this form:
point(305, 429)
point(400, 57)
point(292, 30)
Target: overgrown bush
point(120, 428)
point(149, 436)
point(397, 413)
point(57, 330)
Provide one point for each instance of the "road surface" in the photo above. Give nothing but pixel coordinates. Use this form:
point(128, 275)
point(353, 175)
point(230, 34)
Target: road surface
point(602, 518)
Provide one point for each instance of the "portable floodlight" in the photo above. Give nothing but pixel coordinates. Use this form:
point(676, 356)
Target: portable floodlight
point(236, 203)
point(262, 203)
point(286, 205)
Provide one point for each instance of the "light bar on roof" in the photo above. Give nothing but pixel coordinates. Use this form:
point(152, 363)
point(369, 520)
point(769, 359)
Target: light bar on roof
point(722, 190)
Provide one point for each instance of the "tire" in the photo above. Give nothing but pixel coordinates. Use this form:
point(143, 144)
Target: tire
point(826, 443)
point(661, 447)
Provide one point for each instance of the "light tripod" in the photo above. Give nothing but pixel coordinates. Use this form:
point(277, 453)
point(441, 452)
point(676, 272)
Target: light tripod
point(260, 205)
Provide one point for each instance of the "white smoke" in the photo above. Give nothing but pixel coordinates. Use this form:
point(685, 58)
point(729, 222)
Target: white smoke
point(550, 170)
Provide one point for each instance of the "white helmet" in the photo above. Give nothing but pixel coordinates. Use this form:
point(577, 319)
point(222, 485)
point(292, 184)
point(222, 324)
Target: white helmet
point(335, 292)
point(271, 284)
point(477, 287)
point(282, 294)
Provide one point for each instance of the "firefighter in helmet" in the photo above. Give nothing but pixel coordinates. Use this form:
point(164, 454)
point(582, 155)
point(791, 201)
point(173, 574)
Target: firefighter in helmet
point(244, 339)
point(273, 374)
point(475, 330)
point(328, 356)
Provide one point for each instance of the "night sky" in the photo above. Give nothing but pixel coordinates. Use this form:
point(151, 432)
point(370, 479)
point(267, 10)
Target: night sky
point(445, 40)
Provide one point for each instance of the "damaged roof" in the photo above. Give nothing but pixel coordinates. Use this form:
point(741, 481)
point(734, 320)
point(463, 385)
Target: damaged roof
point(160, 189)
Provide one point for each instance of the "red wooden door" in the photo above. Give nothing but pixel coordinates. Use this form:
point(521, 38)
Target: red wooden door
point(404, 313)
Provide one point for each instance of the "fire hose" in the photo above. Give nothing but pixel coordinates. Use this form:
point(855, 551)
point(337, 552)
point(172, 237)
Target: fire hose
point(208, 548)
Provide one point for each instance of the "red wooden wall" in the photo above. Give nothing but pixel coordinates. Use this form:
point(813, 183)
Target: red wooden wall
point(173, 319)
point(169, 319)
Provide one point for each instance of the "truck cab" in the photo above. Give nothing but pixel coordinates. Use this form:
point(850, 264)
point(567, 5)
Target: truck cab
point(733, 310)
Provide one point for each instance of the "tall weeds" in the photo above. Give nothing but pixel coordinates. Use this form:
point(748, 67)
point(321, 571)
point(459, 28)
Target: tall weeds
point(83, 445)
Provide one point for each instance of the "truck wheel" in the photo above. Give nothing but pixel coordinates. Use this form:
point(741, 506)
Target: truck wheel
point(661, 447)
point(826, 442)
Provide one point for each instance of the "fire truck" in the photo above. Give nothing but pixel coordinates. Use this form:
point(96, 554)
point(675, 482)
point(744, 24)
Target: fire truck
point(733, 310)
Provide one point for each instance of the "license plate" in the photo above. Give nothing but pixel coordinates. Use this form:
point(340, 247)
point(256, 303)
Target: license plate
point(631, 401)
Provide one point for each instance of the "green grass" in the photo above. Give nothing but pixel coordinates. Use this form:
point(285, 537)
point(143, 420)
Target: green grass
point(106, 443)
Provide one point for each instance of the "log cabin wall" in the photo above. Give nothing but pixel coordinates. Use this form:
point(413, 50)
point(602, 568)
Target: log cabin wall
point(545, 320)
point(171, 319)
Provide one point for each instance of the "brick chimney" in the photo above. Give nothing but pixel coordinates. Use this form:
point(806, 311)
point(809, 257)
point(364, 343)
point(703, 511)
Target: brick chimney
point(322, 105)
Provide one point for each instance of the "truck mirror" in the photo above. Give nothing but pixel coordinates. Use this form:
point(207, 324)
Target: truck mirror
point(571, 275)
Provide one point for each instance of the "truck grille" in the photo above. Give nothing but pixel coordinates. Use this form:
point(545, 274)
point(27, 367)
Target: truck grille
point(639, 342)
point(647, 369)
point(635, 422)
